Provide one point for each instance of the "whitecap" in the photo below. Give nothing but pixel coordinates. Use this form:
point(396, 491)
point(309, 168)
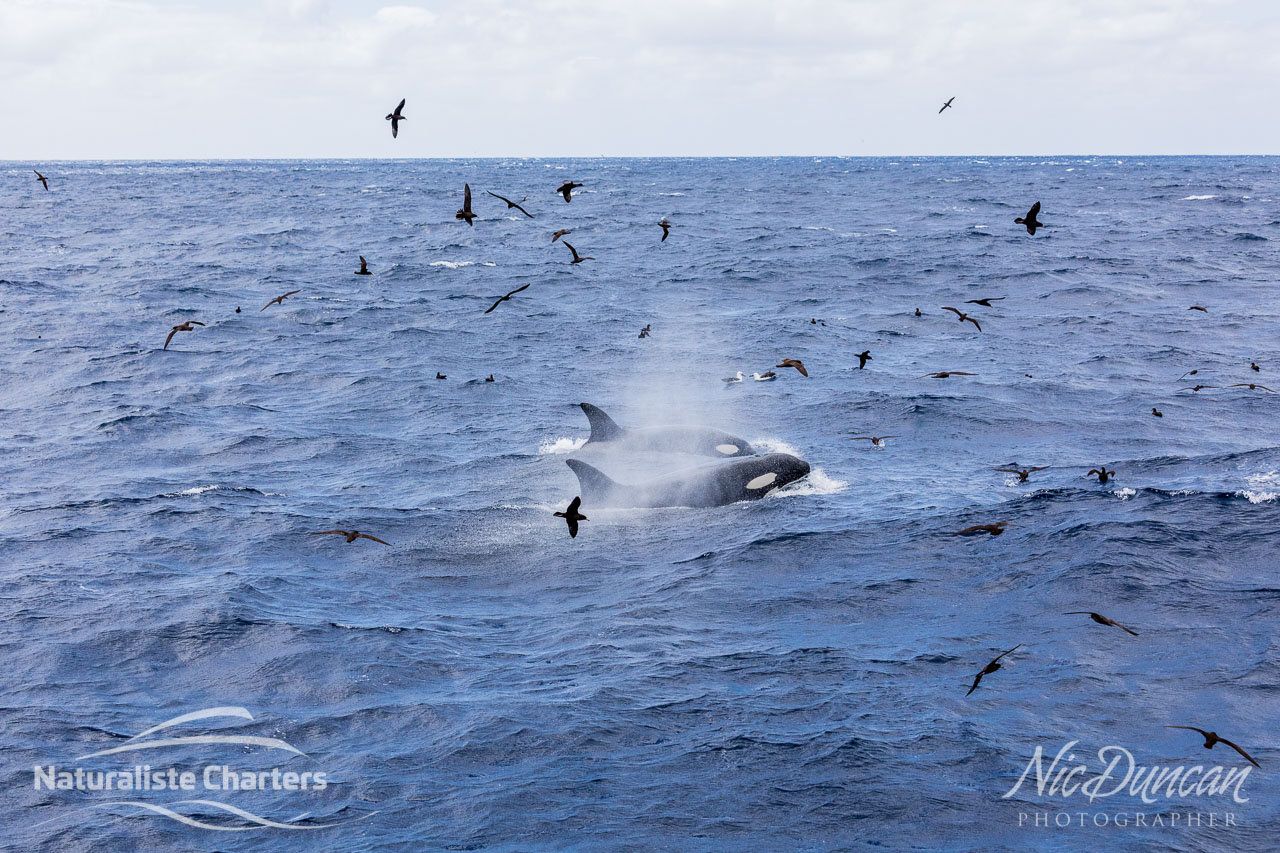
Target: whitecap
point(818, 482)
point(1198, 197)
point(561, 445)
point(453, 265)
point(1124, 494)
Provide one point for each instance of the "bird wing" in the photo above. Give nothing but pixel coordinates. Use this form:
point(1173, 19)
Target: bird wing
point(973, 321)
point(500, 300)
point(374, 538)
point(399, 107)
point(522, 210)
point(364, 265)
point(1241, 751)
point(1121, 627)
point(1033, 212)
point(1040, 468)
point(291, 292)
point(976, 679)
point(574, 504)
point(395, 127)
point(862, 438)
point(573, 527)
point(466, 197)
point(1007, 470)
point(1002, 654)
point(269, 304)
point(509, 202)
point(957, 311)
point(1190, 729)
point(517, 290)
point(889, 436)
point(171, 334)
point(571, 249)
point(323, 532)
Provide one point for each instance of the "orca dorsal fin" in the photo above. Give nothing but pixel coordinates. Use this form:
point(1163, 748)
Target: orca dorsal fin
point(594, 483)
point(602, 426)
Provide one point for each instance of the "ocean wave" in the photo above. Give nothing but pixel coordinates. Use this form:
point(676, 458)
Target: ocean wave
point(560, 445)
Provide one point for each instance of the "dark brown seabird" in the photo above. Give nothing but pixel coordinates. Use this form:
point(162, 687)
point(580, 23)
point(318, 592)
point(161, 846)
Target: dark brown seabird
point(571, 516)
point(395, 117)
point(991, 667)
point(1030, 219)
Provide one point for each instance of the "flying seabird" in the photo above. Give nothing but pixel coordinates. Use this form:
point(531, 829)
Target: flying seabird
point(42, 179)
point(985, 301)
point(577, 259)
point(1198, 308)
point(571, 516)
point(503, 299)
point(1100, 619)
point(556, 236)
point(566, 190)
point(1188, 373)
point(737, 377)
point(1022, 473)
point(395, 118)
point(1102, 472)
point(991, 667)
point(943, 374)
point(1199, 387)
point(876, 440)
point(863, 358)
point(181, 327)
point(364, 267)
point(767, 376)
point(1211, 739)
point(647, 330)
point(279, 300)
point(1252, 386)
point(510, 203)
point(466, 213)
point(963, 316)
point(666, 229)
point(947, 104)
point(994, 529)
point(794, 362)
point(1030, 219)
point(351, 535)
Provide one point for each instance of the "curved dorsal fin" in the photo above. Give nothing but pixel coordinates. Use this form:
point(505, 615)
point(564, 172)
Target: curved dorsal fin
point(595, 485)
point(602, 426)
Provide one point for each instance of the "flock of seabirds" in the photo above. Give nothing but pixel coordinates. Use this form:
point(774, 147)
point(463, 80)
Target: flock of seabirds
point(573, 514)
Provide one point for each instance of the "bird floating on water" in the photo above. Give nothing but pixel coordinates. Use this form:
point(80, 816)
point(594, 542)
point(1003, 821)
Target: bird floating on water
point(1100, 619)
point(181, 327)
point(502, 299)
point(991, 667)
point(279, 300)
point(995, 529)
point(767, 376)
point(1102, 472)
point(647, 330)
point(440, 375)
point(395, 117)
point(351, 535)
point(1030, 219)
point(1157, 412)
point(737, 377)
point(571, 516)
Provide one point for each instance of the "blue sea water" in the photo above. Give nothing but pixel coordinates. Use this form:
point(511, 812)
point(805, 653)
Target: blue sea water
point(786, 674)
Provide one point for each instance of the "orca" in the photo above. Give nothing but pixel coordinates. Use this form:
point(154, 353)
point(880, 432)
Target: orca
point(703, 441)
point(746, 479)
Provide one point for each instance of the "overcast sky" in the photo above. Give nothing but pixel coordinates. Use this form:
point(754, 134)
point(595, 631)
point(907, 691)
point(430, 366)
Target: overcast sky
point(314, 78)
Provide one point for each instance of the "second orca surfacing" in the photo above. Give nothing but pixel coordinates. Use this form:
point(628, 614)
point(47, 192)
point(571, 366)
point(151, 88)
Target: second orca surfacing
point(703, 441)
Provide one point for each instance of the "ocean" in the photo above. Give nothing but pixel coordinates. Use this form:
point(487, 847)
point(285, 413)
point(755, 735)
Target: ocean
point(783, 674)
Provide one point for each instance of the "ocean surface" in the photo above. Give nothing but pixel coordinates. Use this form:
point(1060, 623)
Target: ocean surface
point(785, 674)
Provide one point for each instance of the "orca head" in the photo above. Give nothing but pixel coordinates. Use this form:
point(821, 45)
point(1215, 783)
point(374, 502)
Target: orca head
point(771, 472)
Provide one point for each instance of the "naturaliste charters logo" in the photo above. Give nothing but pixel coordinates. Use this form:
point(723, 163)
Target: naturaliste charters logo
point(217, 777)
point(1120, 773)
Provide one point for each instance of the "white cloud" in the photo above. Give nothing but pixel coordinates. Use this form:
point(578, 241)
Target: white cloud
point(118, 78)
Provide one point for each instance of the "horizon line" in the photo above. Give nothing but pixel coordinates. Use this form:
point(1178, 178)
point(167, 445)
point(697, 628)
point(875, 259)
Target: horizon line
point(335, 158)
